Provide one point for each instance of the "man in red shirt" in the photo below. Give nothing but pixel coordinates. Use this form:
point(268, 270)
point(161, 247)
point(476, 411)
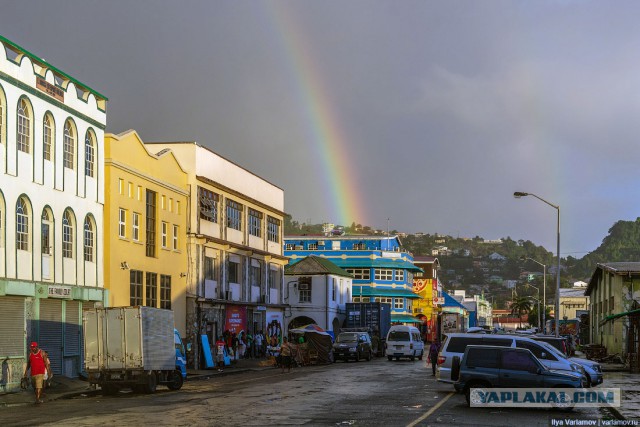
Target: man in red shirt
point(38, 362)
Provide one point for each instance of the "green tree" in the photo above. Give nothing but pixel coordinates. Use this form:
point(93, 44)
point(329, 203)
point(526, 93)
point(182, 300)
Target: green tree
point(520, 305)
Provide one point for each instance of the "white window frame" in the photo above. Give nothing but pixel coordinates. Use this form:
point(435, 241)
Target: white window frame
point(176, 230)
point(23, 142)
point(135, 226)
point(165, 231)
point(398, 303)
point(360, 273)
point(383, 274)
point(122, 223)
point(399, 275)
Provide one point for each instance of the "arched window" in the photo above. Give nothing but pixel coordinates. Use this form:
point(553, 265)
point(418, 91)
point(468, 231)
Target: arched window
point(69, 144)
point(24, 126)
point(89, 155)
point(3, 109)
point(88, 240)
point(67, 235)
point(45, 238)
point(47, 137)
point(22, 225)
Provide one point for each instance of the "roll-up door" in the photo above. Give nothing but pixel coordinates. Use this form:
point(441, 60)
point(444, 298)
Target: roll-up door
point(72, 338)
point(12, 327)
point(51, 332)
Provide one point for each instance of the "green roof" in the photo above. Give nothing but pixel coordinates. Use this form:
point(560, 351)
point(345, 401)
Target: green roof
point(41, 61)
point(314, 265)
point(374, 263)
point(368, 291)
point(404, 318)
point(616, 316)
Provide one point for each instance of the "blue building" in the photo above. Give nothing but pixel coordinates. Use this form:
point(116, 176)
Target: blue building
point(382, 271)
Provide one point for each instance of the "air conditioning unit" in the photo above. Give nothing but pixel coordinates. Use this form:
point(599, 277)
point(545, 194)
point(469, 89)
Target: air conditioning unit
point(303, 286)
point(321, 242)
point(299, 247)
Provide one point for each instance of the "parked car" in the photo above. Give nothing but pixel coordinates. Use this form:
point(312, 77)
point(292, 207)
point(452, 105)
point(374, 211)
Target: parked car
point(591, 368)
point(352, 345)
point(560, 343)
point(404, 341)
point(456, 343)
point(484, 366)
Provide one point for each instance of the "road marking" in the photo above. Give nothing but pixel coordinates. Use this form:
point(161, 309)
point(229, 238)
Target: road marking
point(430, 411)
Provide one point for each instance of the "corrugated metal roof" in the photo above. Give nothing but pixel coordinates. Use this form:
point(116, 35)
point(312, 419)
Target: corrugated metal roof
point(315, 265)
point(368, 291)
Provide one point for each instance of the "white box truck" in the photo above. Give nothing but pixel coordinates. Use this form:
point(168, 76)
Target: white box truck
point(132, 347)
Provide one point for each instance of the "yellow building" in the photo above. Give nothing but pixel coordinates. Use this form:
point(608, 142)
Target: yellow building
point(427, 287)
point(145, 215)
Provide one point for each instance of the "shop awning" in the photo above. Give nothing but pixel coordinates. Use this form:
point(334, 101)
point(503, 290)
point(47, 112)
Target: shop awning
point(617, 316)
point(374, 263)
point(404, 318)
point(368, 291)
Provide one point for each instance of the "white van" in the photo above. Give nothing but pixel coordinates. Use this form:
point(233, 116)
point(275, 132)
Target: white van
point(404, 341)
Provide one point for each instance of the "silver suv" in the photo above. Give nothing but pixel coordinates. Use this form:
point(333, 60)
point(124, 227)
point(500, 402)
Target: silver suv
point(456, 343)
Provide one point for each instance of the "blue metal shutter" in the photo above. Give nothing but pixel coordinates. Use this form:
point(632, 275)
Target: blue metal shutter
point(50, 325)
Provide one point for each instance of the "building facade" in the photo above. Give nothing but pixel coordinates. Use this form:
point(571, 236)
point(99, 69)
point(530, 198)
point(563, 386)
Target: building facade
point(235, 264)
point(146, 205)
point(317, 291)
point(427, 286)
point(614, 314)
point(51, 210)
point(382, 271)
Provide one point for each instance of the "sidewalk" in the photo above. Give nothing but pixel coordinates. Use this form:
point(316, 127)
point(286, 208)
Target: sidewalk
point(63, 387)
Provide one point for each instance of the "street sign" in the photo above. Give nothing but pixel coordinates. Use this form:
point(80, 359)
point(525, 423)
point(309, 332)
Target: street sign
point(438, 300)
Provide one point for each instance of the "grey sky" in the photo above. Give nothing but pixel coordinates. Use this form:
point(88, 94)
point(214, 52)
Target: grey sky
point(445, 107)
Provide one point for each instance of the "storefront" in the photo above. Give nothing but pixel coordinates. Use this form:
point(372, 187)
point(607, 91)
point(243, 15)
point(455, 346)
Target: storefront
point(48, 314)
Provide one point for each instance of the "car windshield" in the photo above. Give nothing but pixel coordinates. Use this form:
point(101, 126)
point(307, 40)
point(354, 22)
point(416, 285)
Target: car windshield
point(398, 336)
point(553, 350)
point(347, 338)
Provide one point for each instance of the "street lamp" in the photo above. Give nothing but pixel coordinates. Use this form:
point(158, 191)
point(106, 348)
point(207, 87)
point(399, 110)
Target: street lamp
point(544, 292)
point(519, 194)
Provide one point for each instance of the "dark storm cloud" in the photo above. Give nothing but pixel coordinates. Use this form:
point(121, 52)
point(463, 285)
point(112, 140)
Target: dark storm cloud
point(447, 107)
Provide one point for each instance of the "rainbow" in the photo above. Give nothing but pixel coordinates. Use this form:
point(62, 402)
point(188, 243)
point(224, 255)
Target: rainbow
point(324, 132)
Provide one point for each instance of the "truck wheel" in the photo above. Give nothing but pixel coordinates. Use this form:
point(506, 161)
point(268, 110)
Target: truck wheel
point(175, 380)
point(152, 383)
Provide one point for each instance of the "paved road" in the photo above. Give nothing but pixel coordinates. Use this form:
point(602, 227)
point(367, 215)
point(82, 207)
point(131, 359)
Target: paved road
point(366, 393)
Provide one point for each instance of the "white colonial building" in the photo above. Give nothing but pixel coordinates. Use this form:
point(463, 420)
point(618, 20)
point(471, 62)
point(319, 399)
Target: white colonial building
point(235, 258)
point(51, 203)
point(317, 291)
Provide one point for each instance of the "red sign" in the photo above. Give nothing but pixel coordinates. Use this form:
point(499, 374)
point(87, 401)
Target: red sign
point(236, 320)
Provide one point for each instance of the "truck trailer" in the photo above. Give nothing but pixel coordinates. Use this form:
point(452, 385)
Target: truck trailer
point(132, 347)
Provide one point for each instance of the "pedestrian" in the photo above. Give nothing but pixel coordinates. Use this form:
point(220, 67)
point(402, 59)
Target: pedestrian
point(220, 347)
point(285, 355)
point(259, 339)
point(38, 363)
point(250, 347)
point(234, 345)
point(434, 348)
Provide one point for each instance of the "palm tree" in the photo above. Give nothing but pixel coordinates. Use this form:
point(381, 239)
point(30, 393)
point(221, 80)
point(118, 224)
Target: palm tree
point(520, 305)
